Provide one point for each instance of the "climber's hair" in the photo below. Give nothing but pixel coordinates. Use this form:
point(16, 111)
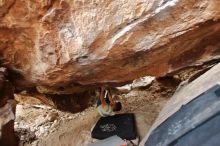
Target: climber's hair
point(117, 106)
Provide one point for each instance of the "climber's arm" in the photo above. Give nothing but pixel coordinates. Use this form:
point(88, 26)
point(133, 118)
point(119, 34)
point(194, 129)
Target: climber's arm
point(101, 97)
point(112, 101)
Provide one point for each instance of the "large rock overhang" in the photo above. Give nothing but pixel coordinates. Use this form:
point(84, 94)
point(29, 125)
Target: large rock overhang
point(58, 43)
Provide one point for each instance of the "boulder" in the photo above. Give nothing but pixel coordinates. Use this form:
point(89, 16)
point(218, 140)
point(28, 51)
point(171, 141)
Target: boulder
point(138, 83)
point(55, 43)
point(185, 95)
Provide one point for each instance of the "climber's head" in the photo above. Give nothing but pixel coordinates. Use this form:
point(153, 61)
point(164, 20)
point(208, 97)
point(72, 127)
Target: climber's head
point(116, 107)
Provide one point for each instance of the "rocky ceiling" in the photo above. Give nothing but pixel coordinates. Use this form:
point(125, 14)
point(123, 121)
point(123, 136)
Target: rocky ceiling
point(57, 43)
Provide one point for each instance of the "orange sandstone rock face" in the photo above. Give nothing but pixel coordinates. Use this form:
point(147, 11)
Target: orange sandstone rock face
point(60, 42)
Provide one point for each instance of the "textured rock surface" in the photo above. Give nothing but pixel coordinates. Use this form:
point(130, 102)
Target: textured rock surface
point(60, 42)
point(138, 83)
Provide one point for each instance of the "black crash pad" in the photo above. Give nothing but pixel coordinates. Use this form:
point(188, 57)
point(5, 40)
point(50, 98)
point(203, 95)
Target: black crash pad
point(122, 125)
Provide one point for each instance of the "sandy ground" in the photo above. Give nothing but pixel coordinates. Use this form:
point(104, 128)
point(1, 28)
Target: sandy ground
point(37, 124)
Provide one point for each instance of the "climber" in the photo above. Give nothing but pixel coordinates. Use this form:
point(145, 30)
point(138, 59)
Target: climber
point(106, 106)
